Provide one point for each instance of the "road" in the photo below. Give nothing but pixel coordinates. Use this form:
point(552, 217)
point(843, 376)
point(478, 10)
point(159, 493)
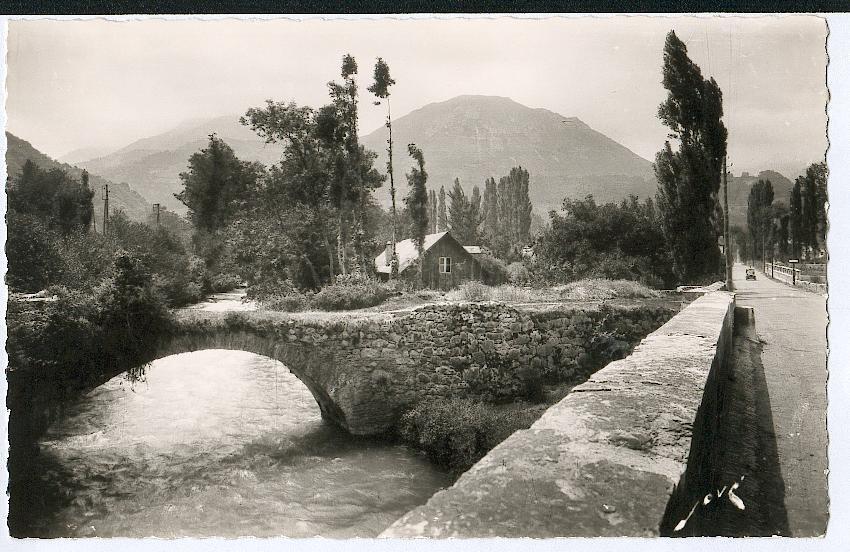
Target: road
point(791, 326)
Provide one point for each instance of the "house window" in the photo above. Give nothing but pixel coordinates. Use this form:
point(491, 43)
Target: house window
point(445, 265)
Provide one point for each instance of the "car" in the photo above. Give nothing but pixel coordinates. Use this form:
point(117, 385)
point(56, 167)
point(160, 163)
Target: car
point(751, 274)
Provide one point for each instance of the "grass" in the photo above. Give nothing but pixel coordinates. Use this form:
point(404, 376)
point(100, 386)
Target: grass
point(594, 289)
point(597, 289)
point(380, 298)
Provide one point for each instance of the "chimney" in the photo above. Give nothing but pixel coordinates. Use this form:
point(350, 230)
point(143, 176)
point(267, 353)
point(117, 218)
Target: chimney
point(388, 253)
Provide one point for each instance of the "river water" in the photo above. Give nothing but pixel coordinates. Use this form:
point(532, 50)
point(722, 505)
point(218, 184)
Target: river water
point(219, 443)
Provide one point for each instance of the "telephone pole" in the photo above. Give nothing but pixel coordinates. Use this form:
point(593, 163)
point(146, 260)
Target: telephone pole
point(156, 210)
point(727, 250)
point(105, 192)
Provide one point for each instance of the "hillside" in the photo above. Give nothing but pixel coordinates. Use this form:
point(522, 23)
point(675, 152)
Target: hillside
point(475, 137)
point(152, 165)
point(739, 193)
point(120, 194)
point(470, 137)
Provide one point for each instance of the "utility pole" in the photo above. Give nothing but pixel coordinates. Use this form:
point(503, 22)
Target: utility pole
point(763, 269)
point(727, 250)
point(105, 192)
point(156, 210)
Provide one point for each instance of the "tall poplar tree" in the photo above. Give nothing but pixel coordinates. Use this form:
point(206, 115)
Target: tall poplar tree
point(798, 240)
point(381, 89)
point(432, 211)
point(689, 175)
point(417, 202)
point(442, 218)
point(760, 217)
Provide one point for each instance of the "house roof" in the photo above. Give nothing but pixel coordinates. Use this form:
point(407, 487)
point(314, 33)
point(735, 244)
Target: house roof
point(473, 249)
point(406, 252)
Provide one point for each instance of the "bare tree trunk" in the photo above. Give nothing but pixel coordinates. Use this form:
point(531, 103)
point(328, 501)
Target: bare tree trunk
point(393, 263)
point(340, 245)
point(329, 248)
point(313, 273)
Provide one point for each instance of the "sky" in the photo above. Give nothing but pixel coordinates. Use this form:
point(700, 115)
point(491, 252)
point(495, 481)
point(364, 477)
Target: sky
point(103, 84)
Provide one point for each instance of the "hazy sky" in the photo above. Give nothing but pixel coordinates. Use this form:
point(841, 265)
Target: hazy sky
point(96, 83)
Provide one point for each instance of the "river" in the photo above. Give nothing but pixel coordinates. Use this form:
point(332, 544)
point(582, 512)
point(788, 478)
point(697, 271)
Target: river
point(218, 443)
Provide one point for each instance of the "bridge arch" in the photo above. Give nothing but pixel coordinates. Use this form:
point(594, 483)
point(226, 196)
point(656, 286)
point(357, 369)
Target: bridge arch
point(306, 362)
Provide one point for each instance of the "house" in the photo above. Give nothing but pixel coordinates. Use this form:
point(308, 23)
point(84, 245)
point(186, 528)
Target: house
point(446, 262)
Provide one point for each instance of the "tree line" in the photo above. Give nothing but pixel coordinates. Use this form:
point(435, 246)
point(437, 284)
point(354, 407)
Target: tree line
point(796, 229)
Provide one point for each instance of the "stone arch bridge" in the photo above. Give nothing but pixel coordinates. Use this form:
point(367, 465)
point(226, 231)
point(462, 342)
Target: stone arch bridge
point(363, 369)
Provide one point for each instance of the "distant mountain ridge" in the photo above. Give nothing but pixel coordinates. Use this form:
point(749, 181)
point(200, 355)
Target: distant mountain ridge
point(476, 137)
point(469, 137)
point(153, 165)
point(121, 196)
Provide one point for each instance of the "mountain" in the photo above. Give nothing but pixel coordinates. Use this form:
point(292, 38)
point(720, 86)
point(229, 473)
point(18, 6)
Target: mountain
point(476, 137)
point(120, 195)
point(83, 154)
point(153, 165)
point(470, 137)
point(739, 193)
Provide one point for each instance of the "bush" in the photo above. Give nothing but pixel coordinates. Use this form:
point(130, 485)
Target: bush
point(456, 433)
point(294, 301)
point(518, 274)
point(597, 289)
point(352, 291)
point(31, 249)
point(493, 270)
point(511, 294)
point(220, 283)
point(470, 291)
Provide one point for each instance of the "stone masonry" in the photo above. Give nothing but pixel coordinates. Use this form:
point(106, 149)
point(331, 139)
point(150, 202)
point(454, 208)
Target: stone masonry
point(365, 369)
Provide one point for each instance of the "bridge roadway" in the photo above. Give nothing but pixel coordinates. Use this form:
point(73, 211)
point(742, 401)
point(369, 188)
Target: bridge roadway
point(791, 326)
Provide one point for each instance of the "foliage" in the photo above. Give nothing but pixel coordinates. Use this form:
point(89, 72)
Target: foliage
point(689, 177)
point(417, 198)
point(50, 245)
point(85, 332)
point(60, 201)
point(518, 273)
point(506, 213)
point(456, 433)
point(432, 212)
point(32, 250)
point(381, 89)
point(796, 214)
point(216, 184)
point(178, 278)
point(610, 241)
point(442, 217)
point(294, 301)
point(470, 291)
point(325, 178)
point(464, 214)
point(494, 271)
point(808, 219)
point(599, 290)
point(513, 294)
point(353, 291)
point(276, 246)
point(760, 217)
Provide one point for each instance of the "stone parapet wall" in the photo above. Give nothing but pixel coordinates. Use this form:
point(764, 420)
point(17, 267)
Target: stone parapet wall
point(610, 458)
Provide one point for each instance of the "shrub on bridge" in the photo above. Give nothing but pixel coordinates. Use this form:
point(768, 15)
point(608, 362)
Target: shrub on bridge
point(351, 291)
point(456, 433)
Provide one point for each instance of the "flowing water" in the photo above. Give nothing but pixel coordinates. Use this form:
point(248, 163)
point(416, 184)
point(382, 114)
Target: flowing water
point(219, 443)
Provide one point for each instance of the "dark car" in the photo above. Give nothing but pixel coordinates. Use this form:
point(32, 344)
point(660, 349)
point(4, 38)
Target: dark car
point(751, 274)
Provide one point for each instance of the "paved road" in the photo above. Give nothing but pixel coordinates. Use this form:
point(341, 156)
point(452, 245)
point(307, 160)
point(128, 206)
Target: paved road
point(791, 325)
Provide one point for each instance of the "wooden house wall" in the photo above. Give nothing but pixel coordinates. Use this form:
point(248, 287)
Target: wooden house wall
point(464, 266)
